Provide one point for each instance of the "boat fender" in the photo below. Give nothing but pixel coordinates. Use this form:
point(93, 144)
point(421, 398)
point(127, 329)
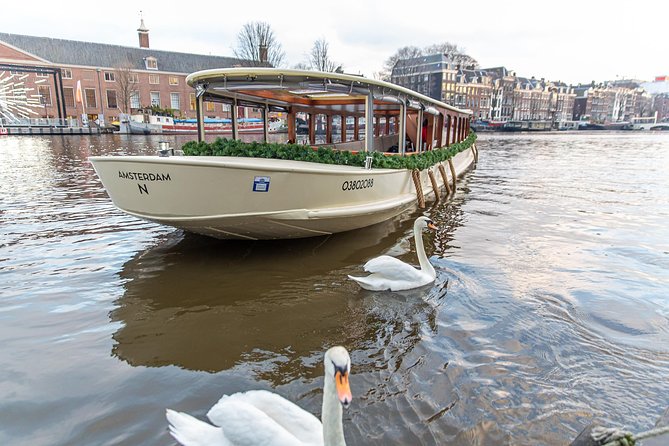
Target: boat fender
point(444, 177)
point(415, 174)
point(435, 187)
point(455, 177)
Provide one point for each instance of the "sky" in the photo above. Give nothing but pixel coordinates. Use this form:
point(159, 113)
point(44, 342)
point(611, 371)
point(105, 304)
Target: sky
point(569, 41)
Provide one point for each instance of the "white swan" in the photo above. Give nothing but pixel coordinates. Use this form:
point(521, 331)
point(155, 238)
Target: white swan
point(389, 273)
point(259, 417)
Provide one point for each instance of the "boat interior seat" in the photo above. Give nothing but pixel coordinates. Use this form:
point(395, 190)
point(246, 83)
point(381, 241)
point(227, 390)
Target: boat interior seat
point(386, 142)
point(351, 146)
point(383, 143)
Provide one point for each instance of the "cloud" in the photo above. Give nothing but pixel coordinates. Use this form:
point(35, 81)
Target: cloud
point(570, 41)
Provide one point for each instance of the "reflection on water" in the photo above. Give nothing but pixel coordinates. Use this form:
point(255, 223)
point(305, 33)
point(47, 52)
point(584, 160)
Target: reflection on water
point(191, 296)
point(549, 309)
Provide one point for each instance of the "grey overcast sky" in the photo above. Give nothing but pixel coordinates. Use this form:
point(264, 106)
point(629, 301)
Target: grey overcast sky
point(567, 40)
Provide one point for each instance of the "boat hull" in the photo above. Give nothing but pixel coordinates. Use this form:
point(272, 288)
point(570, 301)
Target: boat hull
point(253, 198)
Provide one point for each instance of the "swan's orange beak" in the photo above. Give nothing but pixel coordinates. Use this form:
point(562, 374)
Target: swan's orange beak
point(432, 226)
point(343, 389)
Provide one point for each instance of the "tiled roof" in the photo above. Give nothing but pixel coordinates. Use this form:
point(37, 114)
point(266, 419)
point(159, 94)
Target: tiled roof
point(72, 52)
point(432, 63)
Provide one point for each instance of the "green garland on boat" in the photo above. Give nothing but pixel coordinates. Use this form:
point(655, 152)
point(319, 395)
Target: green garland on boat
point(325, 155)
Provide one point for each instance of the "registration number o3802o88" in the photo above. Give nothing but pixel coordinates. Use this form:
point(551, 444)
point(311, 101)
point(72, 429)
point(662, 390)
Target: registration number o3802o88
point(365, 183)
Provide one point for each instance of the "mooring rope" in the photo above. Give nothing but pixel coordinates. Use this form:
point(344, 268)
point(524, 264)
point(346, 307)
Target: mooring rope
point(435, 186)
point(450, 164)
point(444, 177)
point(618, 437)
point(415, 174)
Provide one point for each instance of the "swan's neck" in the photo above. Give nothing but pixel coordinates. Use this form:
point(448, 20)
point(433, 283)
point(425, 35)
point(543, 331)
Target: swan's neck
point(333, 431)
point(425, 264)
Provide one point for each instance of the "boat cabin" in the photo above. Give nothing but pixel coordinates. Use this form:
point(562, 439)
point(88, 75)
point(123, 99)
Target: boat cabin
point(348, 112)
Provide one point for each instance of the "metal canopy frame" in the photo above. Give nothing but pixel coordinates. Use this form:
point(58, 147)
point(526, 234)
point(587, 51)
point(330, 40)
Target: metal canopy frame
point(314, 92)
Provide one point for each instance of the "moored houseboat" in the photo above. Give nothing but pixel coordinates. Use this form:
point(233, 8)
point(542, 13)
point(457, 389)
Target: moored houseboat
point(351, 180)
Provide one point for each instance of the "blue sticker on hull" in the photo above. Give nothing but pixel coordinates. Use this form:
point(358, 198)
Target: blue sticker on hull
point(261, 184)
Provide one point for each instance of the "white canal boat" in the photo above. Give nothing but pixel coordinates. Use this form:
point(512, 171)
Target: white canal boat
point(239, 197)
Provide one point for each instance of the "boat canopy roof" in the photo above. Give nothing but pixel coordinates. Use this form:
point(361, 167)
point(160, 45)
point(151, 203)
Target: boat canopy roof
point(332, 93)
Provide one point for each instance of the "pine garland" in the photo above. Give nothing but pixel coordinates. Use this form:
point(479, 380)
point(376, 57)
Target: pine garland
point(325, 155)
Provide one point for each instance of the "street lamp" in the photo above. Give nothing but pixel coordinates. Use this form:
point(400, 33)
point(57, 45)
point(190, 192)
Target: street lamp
point(101, 103)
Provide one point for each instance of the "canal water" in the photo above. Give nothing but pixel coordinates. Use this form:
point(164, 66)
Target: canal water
point(550, 309)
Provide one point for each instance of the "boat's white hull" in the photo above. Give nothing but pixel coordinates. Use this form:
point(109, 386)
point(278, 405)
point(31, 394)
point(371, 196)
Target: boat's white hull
point(253, 198)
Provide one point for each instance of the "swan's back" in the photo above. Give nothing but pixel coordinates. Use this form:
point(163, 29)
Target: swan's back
point(189, 431)
point(389, 273)
point(240, 414)
point(393, 268)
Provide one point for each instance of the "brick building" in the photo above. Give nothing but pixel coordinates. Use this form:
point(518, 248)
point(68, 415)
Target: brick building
point(504, 83)
point(492, 94)
point(433, 76)
point(659, 91)
point(612, 102)
point(110, 75)
point(474, 91)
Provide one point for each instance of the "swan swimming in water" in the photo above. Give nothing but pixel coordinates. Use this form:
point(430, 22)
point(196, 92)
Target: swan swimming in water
point(259, 417)
point(389, 273)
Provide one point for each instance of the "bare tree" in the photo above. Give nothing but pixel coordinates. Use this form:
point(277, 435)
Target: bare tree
point(301, 66)
point(319, 58)
point(405, 54)
point(456, 54)
point(126, 82)
point(257, 45)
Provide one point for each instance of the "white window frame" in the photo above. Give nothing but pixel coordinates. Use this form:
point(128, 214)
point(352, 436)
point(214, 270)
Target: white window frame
point(48, 89)
point(151, 63)
point(107, 97)
point(135, 100)
point(178, 101)
point(95, 95)
point(153, 95)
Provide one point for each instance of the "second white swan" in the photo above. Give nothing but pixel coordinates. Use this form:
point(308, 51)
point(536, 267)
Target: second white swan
point(389, 273)
point(259, 417)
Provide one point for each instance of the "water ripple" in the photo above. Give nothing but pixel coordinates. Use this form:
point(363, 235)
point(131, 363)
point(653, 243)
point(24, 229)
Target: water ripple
point(549, 310)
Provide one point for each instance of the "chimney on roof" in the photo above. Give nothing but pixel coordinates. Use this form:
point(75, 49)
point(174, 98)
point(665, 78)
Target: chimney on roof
point(263, 53)
point(143, 33)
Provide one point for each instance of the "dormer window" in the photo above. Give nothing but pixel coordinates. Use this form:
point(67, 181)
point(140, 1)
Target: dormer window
point(151, 63)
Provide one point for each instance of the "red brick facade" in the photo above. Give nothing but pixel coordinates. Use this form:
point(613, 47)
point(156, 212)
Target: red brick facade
point(101, 90)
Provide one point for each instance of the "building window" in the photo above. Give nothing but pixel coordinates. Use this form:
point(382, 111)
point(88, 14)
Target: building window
point(154, 79)
point(151, 63)
point(66, 73)
point(68, 96)
point(175, 101)
point(174, 80)
point(45, 95)
point(133, 78)
point(91, 99)
point(209, 106)
point(134, 99)
point(155, 98)
point(41, 75)
point(111, 99)
point(192, 101)
point(109, 76)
